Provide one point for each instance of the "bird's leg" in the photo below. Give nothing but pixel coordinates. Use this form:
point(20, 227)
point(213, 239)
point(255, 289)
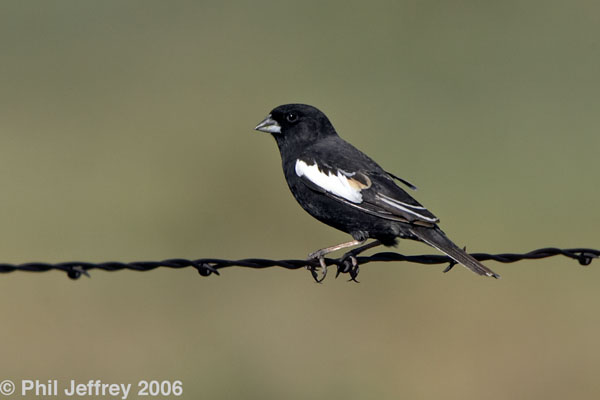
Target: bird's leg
point(351, 263)
point(320, 254)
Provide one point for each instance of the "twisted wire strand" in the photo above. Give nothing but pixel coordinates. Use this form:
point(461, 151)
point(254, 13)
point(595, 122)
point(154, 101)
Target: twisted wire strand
point(209, 266)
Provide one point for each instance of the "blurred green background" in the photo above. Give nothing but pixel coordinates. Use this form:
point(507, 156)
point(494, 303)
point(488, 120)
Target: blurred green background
point(126, 133)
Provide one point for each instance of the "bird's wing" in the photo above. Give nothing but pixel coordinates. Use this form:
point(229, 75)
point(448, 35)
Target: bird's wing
point(364, 186)
point(404, 181)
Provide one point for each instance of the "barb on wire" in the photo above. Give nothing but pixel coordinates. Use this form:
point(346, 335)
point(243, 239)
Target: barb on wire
point(208, 266)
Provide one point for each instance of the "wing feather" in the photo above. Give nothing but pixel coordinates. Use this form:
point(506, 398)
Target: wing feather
point(371, 192)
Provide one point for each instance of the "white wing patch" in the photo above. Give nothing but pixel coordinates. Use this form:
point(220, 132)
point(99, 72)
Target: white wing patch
point(408, 208)
point(338, 184)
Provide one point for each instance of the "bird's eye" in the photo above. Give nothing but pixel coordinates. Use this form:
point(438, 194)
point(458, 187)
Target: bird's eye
point(291, 117)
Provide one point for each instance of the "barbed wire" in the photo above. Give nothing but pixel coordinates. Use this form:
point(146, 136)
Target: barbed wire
point(209, 266)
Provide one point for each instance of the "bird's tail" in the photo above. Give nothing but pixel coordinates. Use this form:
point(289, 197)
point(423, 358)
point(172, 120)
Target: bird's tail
point(436, 238)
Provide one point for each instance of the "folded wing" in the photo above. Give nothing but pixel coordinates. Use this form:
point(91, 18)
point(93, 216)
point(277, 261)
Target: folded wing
point(374, 192)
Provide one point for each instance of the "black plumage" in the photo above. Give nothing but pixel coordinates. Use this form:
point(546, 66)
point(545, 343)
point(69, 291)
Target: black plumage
point(344, 188)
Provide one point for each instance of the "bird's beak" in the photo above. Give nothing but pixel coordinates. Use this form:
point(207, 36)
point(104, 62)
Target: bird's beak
point(268, 125)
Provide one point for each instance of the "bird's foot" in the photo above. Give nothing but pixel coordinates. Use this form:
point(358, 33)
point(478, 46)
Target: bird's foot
point(317, 255)
point(349, 265)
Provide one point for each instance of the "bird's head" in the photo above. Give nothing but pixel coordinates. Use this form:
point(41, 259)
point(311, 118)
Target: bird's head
point(298, 124)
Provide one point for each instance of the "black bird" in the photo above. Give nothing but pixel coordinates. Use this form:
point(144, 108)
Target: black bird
point(342, 187)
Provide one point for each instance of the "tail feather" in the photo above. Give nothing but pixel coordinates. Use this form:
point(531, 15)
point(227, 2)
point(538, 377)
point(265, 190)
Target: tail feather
point(437, 239)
